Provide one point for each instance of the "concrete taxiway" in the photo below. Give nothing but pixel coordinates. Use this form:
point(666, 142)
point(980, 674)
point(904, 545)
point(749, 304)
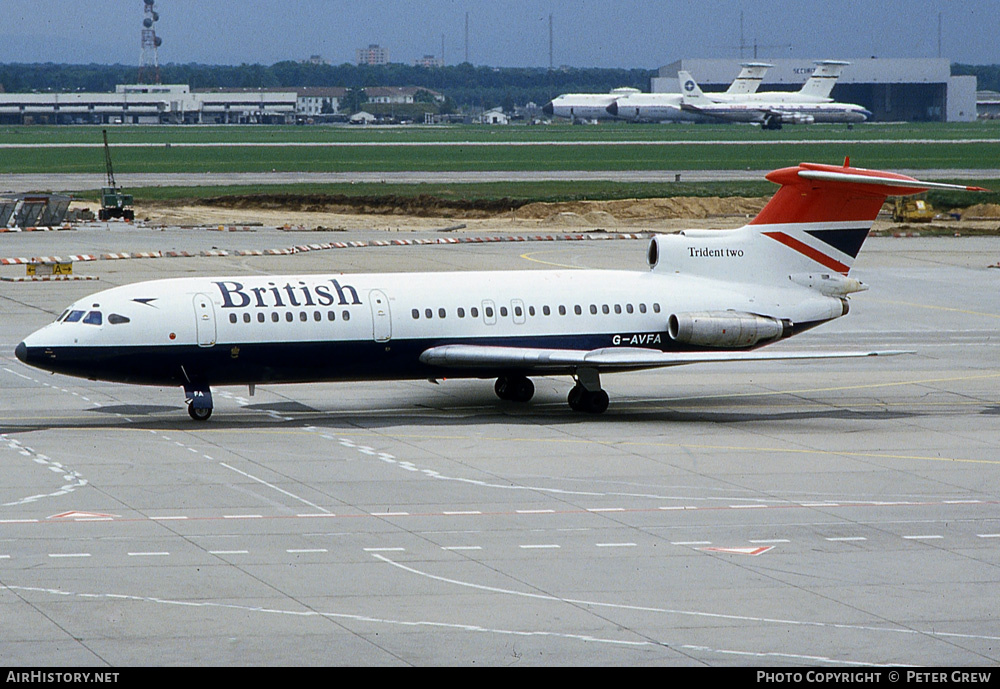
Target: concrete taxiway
point(838, 513)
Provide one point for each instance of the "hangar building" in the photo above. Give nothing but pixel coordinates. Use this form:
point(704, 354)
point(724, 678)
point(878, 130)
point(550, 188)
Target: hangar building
point(893, 89)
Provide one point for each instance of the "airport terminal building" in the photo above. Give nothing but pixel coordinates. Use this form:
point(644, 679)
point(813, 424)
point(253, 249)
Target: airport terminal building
point(150, 104)
point(894, 89)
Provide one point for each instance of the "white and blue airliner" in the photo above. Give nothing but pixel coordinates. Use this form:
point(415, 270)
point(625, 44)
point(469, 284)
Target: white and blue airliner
point(706, 296)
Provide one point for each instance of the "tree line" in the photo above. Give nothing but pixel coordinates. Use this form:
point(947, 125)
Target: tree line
point(464, 84)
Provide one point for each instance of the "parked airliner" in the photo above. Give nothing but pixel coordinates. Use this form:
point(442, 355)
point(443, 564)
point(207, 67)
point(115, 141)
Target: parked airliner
point(770, 110)
point(654, 106)
point(707, 296)
point(741, 102)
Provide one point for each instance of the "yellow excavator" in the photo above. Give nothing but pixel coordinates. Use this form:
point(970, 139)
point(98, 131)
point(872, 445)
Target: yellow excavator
point(912, 209)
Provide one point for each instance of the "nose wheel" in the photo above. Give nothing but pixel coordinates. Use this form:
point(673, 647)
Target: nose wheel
point(199, 402)
point(199, 413)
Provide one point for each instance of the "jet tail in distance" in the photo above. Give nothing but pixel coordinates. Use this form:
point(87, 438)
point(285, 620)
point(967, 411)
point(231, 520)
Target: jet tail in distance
point(821, 83)
point(749, 78)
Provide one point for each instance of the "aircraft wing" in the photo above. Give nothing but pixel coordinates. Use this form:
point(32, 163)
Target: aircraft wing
point(606, 359)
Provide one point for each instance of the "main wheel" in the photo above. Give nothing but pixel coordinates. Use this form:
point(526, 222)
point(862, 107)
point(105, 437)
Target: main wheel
point(597, 402)
point(200, 413)
point(581, 399)
point(514, 388)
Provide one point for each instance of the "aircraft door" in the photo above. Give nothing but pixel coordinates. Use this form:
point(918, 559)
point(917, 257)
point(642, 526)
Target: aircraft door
point(489, 312)
point(381, 318)
point(517, 308)
point(204, 314)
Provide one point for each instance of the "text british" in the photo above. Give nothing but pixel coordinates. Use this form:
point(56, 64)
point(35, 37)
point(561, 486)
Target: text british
point(236, 296)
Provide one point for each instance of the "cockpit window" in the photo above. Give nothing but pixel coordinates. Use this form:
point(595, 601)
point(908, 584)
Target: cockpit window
point(73, 316)
point(62, 315)
point(116, 319)
point(93, 318)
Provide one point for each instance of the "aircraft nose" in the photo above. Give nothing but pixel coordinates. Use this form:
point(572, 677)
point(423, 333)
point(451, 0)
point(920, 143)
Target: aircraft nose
point(548, 109)
point(21, 352)
point(613, 108)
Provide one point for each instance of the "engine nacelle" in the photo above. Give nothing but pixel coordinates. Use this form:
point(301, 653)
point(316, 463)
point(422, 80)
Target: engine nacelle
point(725, 328)
point(797, 118)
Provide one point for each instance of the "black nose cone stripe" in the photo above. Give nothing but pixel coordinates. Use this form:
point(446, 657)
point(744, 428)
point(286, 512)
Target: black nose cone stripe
point(21, 352)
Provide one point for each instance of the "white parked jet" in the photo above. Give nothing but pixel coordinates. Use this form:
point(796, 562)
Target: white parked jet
point(816, 89)
point(585, 106)
point(707, 296)
point(666, 107)
point(769, 110)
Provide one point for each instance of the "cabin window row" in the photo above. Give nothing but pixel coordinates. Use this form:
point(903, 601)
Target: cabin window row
point(562, 310)
point(303, 316)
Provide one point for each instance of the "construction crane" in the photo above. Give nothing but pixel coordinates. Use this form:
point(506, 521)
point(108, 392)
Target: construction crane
point(114, 202)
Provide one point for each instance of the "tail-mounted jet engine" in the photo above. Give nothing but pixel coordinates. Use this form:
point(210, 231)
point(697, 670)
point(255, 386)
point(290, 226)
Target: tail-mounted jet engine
point(725, 328)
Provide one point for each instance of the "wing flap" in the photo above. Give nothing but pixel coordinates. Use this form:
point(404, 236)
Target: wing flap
point(609, 358)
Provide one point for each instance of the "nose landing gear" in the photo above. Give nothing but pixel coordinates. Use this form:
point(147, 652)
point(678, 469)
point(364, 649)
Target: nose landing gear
point(199, 401)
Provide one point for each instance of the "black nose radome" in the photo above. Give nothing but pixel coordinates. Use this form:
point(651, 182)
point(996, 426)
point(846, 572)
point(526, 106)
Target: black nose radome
point(21, 352)
point(613, 108)
point(548, 109)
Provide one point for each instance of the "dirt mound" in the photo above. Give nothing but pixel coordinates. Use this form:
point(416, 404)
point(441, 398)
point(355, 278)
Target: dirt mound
point(981, 210)
point(647, 209)
point(423, 205)
point(426, 205)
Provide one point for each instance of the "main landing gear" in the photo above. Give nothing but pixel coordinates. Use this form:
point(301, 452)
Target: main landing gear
point(199, 402)
point(514, 388)
point(586, 396)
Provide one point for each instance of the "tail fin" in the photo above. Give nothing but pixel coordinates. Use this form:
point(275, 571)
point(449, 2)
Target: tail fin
point(820, 84)
point(816, 222)
point(749, 78)
point(824, 212)
point(690, 89)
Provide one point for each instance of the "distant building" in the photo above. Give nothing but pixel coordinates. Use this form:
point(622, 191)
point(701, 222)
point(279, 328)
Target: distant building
point(362, 117)
point(398, 94)
point(374, 54)
point(150, 104)
point(429, 61)
point(893, 89)
point(316, 101)
point(316, 60)
point(494, 116)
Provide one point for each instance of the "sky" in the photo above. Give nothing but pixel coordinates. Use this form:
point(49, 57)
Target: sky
point(502, 33)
